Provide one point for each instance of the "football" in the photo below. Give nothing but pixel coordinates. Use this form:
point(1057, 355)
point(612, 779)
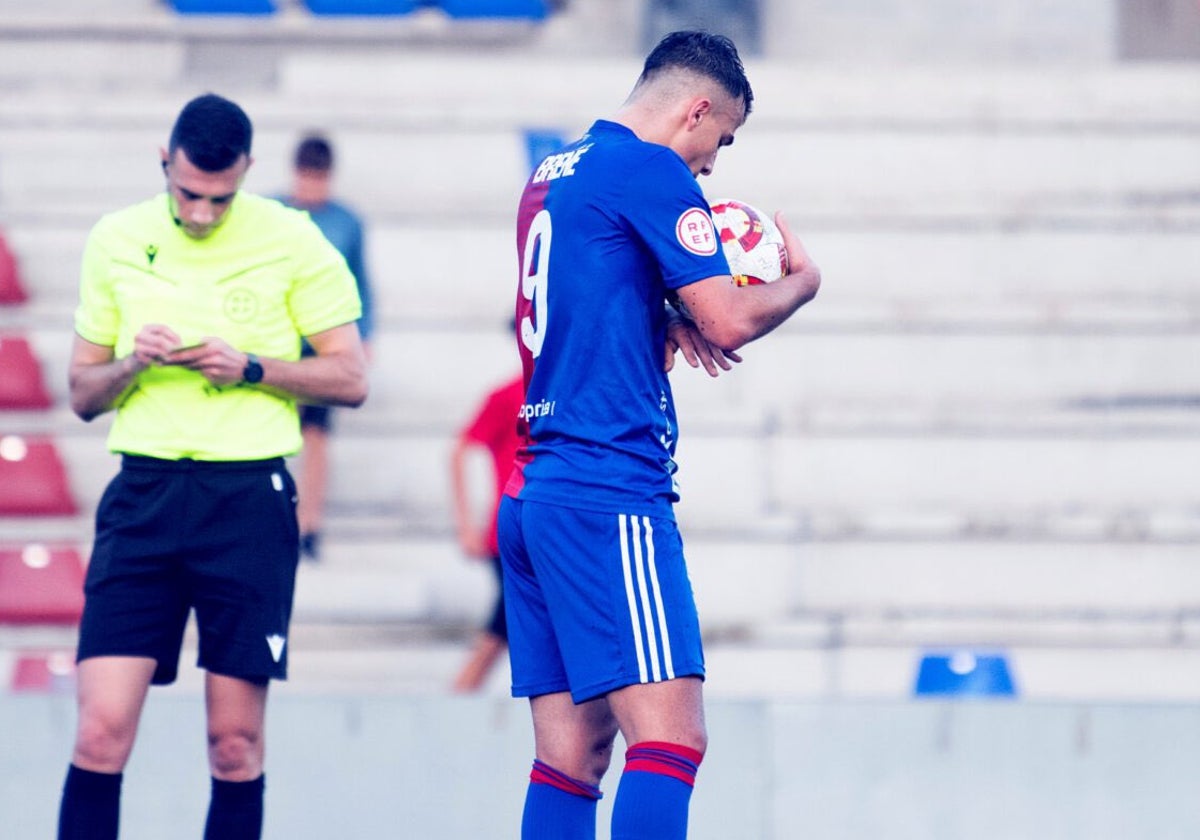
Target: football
point(751, 241)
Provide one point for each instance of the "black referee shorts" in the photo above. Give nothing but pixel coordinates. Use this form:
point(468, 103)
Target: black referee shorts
point(217, 537)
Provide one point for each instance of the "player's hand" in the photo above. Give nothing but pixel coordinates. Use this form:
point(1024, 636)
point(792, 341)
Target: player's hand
point(213, 358)
point(798, 258)
point(474, 543)
point(683, 336)
point(153, 345)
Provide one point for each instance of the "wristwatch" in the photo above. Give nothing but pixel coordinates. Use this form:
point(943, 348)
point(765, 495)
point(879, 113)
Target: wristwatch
point(253, 371)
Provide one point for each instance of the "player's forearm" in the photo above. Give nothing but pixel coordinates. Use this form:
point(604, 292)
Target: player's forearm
point(334, 379)
point(98, 388)
point(754, 311)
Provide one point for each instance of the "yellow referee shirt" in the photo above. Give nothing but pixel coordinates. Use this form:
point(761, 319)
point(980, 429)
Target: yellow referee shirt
point(261, 280)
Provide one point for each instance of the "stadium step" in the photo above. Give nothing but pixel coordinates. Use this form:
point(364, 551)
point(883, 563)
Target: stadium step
point(889, 279)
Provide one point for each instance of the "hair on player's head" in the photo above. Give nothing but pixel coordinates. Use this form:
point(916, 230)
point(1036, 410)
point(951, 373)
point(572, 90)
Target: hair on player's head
point(213, 132)
point(314, 153)
point(706, 54)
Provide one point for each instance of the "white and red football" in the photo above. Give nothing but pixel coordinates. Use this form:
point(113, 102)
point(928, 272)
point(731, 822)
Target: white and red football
point(751, 241)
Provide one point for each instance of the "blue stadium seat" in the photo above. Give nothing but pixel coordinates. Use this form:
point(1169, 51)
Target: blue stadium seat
point(541, 142)
point(224, 7)
point(361, 7)
point(964, 673)
point(531, 9)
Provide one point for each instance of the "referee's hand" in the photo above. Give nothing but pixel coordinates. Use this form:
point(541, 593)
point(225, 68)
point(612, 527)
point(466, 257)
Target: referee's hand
point(213, 358)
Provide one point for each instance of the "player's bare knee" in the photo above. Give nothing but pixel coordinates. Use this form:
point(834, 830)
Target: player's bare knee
point(235, 755)
point(103, 744)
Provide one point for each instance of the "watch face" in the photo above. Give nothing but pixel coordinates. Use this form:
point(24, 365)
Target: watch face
point(253, 371)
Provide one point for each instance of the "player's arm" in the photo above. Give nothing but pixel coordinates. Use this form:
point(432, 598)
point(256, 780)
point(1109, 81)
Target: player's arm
point(684, 337)
point(730, 316)
point(97, 379)
point(471, 537)
point(336, 375)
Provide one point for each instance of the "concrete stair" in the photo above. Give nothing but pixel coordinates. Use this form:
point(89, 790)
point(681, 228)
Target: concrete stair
point(979, 434)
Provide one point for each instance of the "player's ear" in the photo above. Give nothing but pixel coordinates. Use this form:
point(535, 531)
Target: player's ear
point(700, 108)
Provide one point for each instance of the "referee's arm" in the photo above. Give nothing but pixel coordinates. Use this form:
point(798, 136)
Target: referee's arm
point(336, 375)
point(97, 379)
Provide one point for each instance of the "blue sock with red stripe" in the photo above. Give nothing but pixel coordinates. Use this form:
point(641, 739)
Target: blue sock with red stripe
point(558, 807)
point(656, 787)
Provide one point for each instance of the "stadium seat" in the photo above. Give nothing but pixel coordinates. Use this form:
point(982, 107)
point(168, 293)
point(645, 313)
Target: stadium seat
point(964, 673)
point(361, 7)
point(531, 9)
point(11, 290)
point(22, 385)
point(224, 7)
point(40, 585)
point(42, 672)
point(33, 481)
point(540, 142)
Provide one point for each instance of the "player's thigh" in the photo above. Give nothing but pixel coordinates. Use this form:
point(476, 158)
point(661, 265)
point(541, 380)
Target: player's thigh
point(573, 738)
point(235, 706)
point(112, 692)
point(670, 711)
point(236, 712)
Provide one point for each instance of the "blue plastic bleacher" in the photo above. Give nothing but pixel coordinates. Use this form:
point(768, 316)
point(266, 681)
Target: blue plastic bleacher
point(224, 7)
point(361, 7)
point(531, 9)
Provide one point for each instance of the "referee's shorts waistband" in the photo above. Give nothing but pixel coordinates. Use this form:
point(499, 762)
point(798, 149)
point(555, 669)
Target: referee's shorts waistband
point(145, 462)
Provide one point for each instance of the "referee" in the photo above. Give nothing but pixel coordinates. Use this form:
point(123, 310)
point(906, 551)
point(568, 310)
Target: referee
point(191, 313)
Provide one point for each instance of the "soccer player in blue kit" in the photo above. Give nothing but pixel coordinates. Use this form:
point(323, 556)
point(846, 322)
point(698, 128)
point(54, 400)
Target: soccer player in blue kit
point(603, 628)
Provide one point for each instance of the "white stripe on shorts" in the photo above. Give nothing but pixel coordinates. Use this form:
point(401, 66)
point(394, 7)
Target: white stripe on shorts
point(641, 583)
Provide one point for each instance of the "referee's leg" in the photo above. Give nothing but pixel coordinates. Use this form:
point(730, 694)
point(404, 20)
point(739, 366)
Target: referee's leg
point(111, 693)
point(236, 728)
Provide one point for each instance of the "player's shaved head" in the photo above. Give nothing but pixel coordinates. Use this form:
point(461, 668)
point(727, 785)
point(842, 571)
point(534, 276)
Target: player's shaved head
point(213, 132)
point(681, 57)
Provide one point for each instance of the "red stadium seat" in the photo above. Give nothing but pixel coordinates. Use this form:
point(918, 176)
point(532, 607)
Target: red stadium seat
point(53, 671)
point(22, 385)
point(11, 290)
point(33, 481)
point(40, 585)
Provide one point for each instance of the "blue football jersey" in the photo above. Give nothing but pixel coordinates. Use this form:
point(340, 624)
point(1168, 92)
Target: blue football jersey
point(605, 228)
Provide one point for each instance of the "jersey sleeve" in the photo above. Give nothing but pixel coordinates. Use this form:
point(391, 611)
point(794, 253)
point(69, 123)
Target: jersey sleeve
point(325, 294)
point(666, 209)
point(96, 317)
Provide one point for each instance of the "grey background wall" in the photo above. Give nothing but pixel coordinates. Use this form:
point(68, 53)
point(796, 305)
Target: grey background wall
point(437, 767)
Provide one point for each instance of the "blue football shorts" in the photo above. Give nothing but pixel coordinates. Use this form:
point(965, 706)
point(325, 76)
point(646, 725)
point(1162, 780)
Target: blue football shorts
point(595, 601)
point(217, 537)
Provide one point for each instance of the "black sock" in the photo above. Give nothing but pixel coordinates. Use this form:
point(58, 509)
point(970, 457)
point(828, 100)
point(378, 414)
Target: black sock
point(91, 805)
point(235, 811)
